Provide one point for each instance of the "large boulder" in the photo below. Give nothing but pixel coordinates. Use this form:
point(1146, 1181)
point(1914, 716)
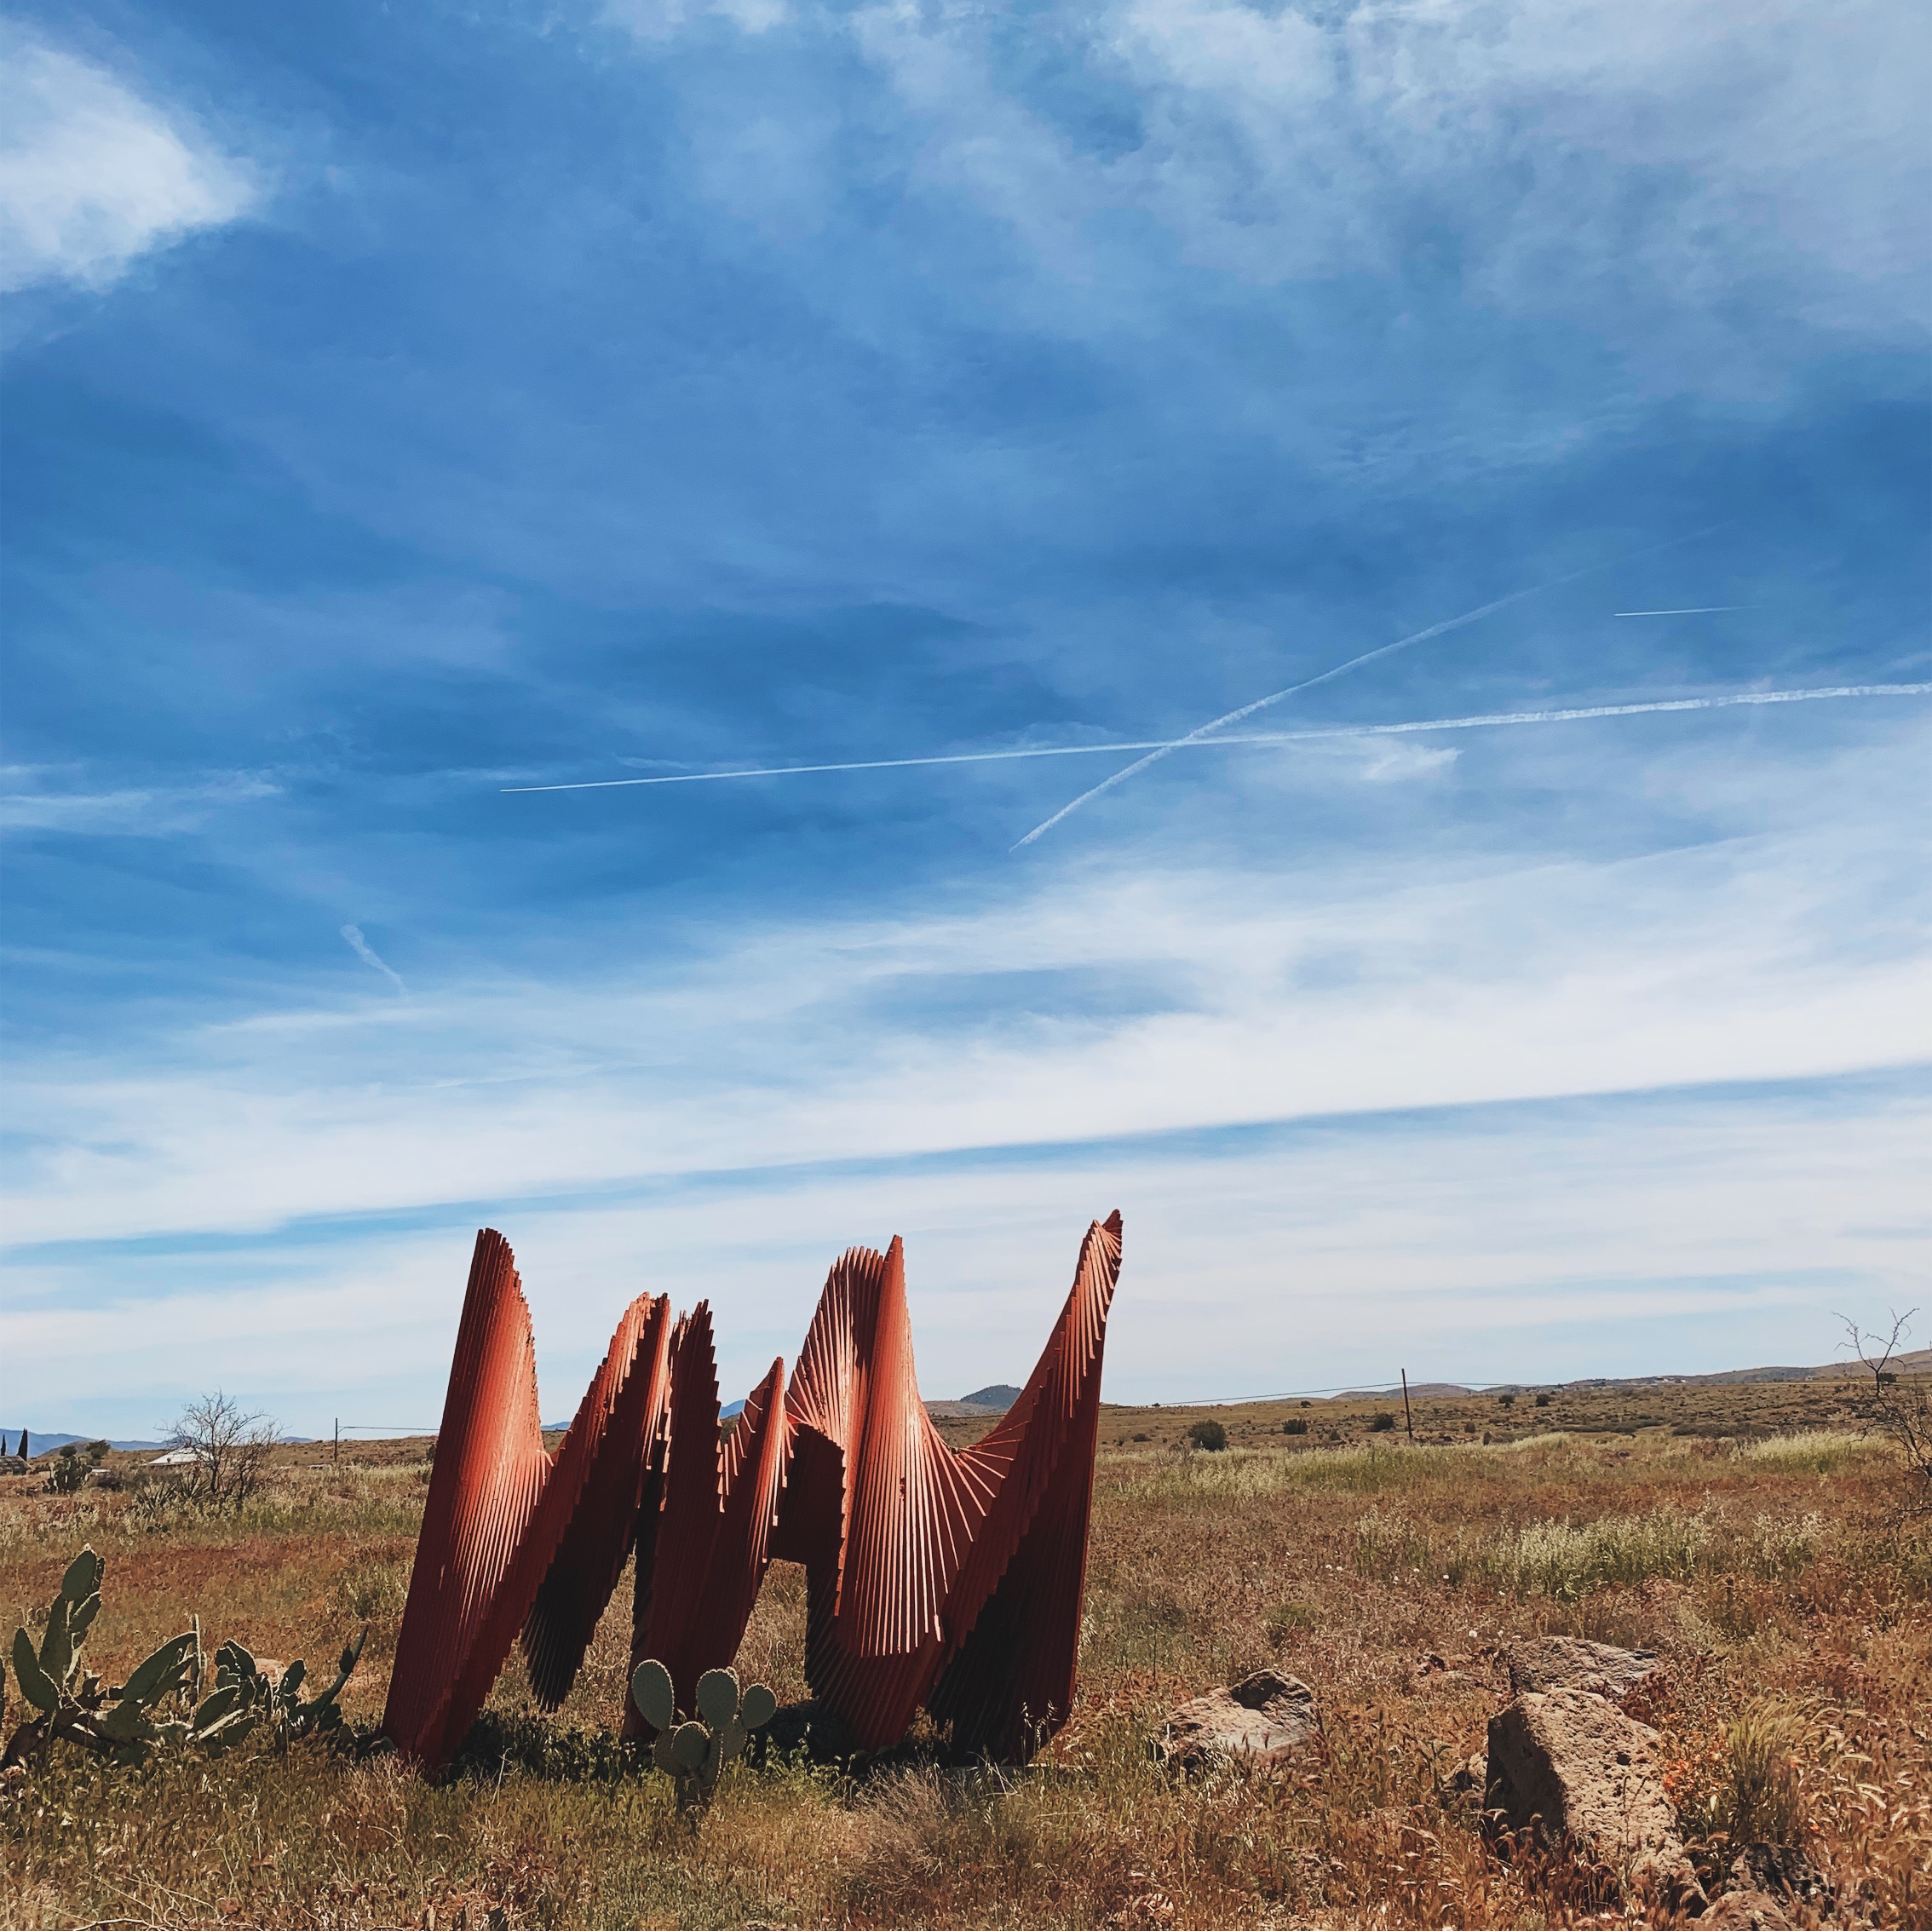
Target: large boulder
point(1568, 1662)
point(1264, 1719)
point(1569, 1768)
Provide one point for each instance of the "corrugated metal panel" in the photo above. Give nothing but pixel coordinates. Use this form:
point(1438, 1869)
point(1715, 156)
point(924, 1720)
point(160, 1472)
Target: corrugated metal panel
point(952, 1580)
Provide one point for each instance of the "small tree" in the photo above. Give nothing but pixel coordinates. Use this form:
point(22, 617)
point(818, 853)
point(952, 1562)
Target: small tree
point(1901, 1405)
point(231, 1447)
point(1209, 1435)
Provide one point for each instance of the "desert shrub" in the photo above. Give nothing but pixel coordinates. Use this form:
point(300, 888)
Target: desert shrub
point(1567, 1560)
point(231, 1445)
point(1286, 1619)
point(156, 1503)
point(1544, 1399)
point(1295, 1426)
point(1209, 1435)
point(1381, 1424)
point(1505, 1401)
point(1744, 1787)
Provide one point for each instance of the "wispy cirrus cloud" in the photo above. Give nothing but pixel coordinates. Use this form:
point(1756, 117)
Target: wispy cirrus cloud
point(34, 801)
point(94, 174)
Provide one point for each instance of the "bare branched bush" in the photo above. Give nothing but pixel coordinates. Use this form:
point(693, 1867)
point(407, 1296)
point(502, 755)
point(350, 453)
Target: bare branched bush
point(231, 1446)
point(1901, 1405)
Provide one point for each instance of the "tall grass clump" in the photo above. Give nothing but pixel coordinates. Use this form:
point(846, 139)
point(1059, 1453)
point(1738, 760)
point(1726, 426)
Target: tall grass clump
point(1811, 1451)
point(1566, 1561)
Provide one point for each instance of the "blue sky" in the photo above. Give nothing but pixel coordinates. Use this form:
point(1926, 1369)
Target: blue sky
point(406, 404)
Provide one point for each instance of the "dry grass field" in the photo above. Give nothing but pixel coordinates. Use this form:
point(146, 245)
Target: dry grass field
point(1743, 1533)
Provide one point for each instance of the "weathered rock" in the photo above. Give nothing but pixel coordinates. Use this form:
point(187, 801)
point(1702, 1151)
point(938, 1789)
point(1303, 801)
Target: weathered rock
point(1568, 1662)
point(1567, 1766)
point(1747, 1911)
point(1784, 1871)
point(1264, 1719)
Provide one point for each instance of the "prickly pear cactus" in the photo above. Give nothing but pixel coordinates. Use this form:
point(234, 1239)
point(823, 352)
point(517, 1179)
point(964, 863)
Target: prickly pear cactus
point(152, 1706)
point(694, 1752)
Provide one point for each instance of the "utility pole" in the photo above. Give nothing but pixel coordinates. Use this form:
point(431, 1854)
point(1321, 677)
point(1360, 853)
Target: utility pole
point(338, 1441)
point(1408, 1420)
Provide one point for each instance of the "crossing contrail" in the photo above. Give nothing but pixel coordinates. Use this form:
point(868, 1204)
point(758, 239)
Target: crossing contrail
point(1694, 610)
point(1194, 741)
point(1203, 730)
point(1415, 637)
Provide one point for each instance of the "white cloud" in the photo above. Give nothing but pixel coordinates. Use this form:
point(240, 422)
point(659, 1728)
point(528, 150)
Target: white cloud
point(92, 175)
point(984, 1064)
point(662, 20)
point(163, 811)
point(1703, 186)
point(1252, 991)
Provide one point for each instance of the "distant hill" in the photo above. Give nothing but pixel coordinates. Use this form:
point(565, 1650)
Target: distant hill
point(1918, 1361)
point(999, 1397)
point(39, 1444)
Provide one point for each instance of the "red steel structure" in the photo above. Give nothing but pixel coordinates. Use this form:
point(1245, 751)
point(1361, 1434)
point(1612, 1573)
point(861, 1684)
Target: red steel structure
point(951, 1580)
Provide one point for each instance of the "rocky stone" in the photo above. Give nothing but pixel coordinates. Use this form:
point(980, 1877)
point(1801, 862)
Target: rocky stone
point(1784, 1871)
point(1568, 1662)
point(1265, 1718)
point(1565, 1766)
point(1746, 1911)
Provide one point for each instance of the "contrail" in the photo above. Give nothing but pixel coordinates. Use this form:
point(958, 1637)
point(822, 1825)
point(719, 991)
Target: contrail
point(1354, 663)
point(1694, 609)
point(1195, 741)
point(369, 957)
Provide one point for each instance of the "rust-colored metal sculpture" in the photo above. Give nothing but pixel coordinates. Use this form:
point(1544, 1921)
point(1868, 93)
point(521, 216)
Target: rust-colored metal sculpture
point(951, 1580)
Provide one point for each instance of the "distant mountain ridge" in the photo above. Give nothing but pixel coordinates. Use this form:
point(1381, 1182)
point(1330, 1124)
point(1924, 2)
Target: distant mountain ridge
point(998, 1396)
point(44, 1442)
point(1918, 1361)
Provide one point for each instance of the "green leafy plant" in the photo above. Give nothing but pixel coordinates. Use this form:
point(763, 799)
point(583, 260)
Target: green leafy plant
point(156, 1705)
point(694, 1749)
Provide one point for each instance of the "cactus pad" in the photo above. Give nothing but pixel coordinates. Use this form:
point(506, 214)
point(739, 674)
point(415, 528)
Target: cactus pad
point(717, 1696)
point(652, 1690)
